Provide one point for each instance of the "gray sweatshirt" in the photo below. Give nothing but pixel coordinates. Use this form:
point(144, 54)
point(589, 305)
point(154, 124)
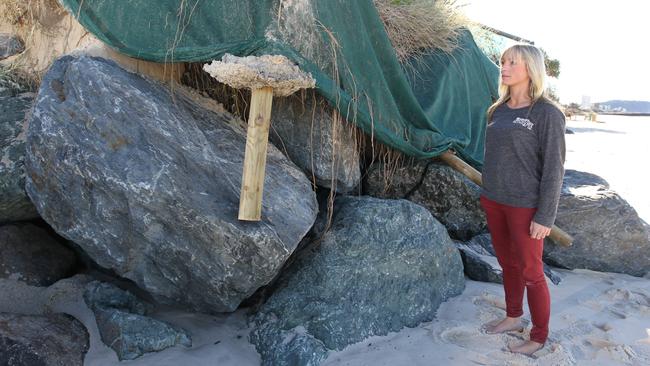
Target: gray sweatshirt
point(524, 158)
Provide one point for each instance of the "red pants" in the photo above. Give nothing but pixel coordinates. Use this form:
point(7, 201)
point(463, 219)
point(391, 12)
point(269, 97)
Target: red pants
point(520, 257)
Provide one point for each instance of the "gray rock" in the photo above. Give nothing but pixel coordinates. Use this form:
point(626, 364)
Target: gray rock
point(147, 182)
point(451, 197)
point(481, 264)
point(15, 205)
point(102, 295)
point(303, 127)
point(394, 184)
point(123, 325)
point(292, 347)
point(28, 340)
point(480, 267)
point(481, 244)
point(552, 275)
point(10, 45)
point(382, 266)
point(30, 254)
point(608, 233)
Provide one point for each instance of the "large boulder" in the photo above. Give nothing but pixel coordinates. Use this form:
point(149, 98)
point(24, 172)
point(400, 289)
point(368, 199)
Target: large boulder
point(56, 339)
point(30, 254)
point(147, 180)
point(383, 265)
point(451, 197)
point(123, 325)
point(317, 139)
point(608, 233)
point(14, 203)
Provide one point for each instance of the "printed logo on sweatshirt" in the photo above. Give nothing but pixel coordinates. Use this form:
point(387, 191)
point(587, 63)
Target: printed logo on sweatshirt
point(524, 122)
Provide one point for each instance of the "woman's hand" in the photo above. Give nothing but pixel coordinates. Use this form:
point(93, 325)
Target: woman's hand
point(538, 231)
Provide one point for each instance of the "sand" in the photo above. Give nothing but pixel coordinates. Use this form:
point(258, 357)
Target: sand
point(55, 32)
point(597, 319)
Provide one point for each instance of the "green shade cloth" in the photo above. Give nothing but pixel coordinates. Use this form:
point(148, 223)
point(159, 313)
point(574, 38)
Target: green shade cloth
point(422, 108)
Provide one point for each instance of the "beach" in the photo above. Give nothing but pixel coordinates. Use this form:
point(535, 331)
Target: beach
point(137, 178)
point(596, 318)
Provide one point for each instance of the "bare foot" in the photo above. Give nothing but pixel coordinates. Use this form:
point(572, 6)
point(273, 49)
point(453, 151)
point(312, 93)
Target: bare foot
point(506, 325)
point(526, 348)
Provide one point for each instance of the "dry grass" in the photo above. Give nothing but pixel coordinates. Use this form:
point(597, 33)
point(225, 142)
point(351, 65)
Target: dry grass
point(235, 101)
point(13, 79)
point(416, 26)
point(29, 12)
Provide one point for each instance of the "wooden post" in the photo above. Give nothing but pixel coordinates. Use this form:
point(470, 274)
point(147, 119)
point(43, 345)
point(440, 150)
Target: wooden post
point(265, 76)
point(252, 185)
point(557, 235)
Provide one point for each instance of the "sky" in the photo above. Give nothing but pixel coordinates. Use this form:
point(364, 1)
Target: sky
point(603, 46)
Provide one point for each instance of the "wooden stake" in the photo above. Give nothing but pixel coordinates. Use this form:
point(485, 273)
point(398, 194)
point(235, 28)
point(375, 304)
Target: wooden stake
point(252, 185)
point(557, 235)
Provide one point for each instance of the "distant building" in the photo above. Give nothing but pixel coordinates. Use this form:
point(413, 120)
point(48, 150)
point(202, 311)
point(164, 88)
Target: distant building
point(586, 102)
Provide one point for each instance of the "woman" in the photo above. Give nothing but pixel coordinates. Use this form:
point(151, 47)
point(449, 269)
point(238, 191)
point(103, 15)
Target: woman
point(522, 178)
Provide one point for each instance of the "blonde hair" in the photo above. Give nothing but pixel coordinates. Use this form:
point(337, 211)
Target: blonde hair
point(534, 61)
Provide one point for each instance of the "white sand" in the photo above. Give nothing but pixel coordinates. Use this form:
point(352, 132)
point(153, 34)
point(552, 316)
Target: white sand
point(596, 318)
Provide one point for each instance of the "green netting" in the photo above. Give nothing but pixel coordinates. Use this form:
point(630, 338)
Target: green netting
point(421, 109)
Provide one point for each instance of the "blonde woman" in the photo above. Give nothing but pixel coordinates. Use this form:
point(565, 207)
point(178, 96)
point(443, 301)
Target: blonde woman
point(522, 178)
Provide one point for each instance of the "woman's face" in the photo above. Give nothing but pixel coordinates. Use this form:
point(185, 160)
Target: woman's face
point(513, 71)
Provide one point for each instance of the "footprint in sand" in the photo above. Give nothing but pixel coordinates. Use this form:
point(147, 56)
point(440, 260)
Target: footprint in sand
point(554, 355)
point(600, 343)
point(470, 338)
point(618, 294)
point(605, 327)
point(490, 300)
point(487, 349)
point(490, 307)
point(643, 296)
point(550, 355)
point(616, 352)
point(637, 300)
